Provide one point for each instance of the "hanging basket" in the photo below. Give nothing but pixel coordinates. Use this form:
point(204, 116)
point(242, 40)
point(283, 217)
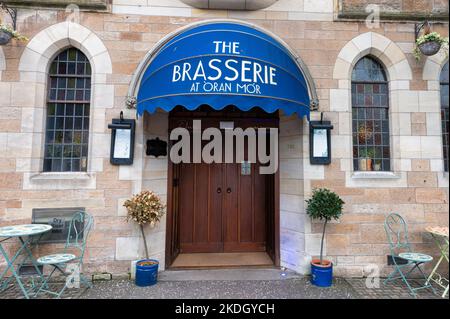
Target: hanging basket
point(5, 37)
point(429, 48)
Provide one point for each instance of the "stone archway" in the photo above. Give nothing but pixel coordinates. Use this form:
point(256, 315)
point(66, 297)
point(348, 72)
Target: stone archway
point(291, 224)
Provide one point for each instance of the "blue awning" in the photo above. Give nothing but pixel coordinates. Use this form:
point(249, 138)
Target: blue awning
point(221, 64)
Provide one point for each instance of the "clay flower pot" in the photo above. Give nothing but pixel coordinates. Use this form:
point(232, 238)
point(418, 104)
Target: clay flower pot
point(365, 164)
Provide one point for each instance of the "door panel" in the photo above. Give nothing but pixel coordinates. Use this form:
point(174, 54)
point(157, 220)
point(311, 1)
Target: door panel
point(236, 219)
point(200, 208)
point(245, 210)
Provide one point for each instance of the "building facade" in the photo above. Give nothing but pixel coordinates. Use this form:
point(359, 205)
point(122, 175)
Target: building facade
point(80, 69)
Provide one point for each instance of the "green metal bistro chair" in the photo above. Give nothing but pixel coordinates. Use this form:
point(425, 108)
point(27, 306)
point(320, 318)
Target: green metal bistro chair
point(402, 256)
point(79, 228)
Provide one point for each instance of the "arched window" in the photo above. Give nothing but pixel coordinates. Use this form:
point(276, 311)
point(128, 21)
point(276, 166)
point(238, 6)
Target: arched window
point(68, 109)
point(444, 113)
point(370, 117)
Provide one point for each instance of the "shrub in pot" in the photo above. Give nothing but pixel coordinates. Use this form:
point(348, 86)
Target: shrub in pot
point(429, 44)
point(325, 206)
point(145, 208)
point(7, 33)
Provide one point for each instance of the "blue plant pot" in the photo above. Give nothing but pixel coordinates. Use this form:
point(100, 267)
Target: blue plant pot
point(321, 275)
point(146, 275)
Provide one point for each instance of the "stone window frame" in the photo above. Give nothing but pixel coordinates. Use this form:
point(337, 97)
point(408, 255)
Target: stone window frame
point(444, 117)
point(56, 78)
point(34, 66)
point(431, 73)
point(399, 75)
point(2, 62)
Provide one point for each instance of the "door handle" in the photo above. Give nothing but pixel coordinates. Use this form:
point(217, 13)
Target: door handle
point(228, 190)
point(219, 190)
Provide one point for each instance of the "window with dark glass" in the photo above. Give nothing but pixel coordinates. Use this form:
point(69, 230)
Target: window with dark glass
point(370, 117)
point(68, 109)
point(444, 114)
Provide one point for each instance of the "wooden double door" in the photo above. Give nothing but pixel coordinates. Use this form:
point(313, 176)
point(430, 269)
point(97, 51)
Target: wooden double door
point(223, 207)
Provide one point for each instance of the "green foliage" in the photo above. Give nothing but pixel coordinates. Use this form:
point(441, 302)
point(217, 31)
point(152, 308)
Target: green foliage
point(429, 37)
point(366, 153)
point(12, 32)
point(324, 205)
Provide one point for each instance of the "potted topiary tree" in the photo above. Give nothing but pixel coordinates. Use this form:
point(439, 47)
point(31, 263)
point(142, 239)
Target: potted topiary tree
point(145, 208)
point(323, 205)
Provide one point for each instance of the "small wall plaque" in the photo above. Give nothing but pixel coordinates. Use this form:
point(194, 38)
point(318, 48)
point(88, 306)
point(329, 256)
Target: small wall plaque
point(156, 147)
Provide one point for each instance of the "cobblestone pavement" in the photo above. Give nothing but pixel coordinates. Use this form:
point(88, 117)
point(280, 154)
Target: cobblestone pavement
point(392, 290)
point(289, 288)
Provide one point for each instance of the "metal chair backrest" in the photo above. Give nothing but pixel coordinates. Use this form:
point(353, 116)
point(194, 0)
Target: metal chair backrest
point(397, 233)
point(79, 228)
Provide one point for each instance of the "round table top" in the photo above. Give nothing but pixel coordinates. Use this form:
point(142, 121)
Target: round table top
point(24, 230)
point(437, 230)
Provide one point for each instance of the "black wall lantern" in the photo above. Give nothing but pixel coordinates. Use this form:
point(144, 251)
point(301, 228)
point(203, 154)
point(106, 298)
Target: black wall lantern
point(122, 141)
point(320, 142)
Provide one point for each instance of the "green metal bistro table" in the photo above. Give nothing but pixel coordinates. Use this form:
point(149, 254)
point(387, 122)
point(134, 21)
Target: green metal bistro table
point(24, 233)
point(440, 237)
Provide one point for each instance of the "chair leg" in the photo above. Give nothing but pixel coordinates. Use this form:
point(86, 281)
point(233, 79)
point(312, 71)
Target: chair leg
point(45, 282)
point(58, 296)
point(390, 277)
point(427, 284)
point(85, 281)
point(402, 277)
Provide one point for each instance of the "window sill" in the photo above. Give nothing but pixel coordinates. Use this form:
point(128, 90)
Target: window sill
point(61, 176)
point(375, 175)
